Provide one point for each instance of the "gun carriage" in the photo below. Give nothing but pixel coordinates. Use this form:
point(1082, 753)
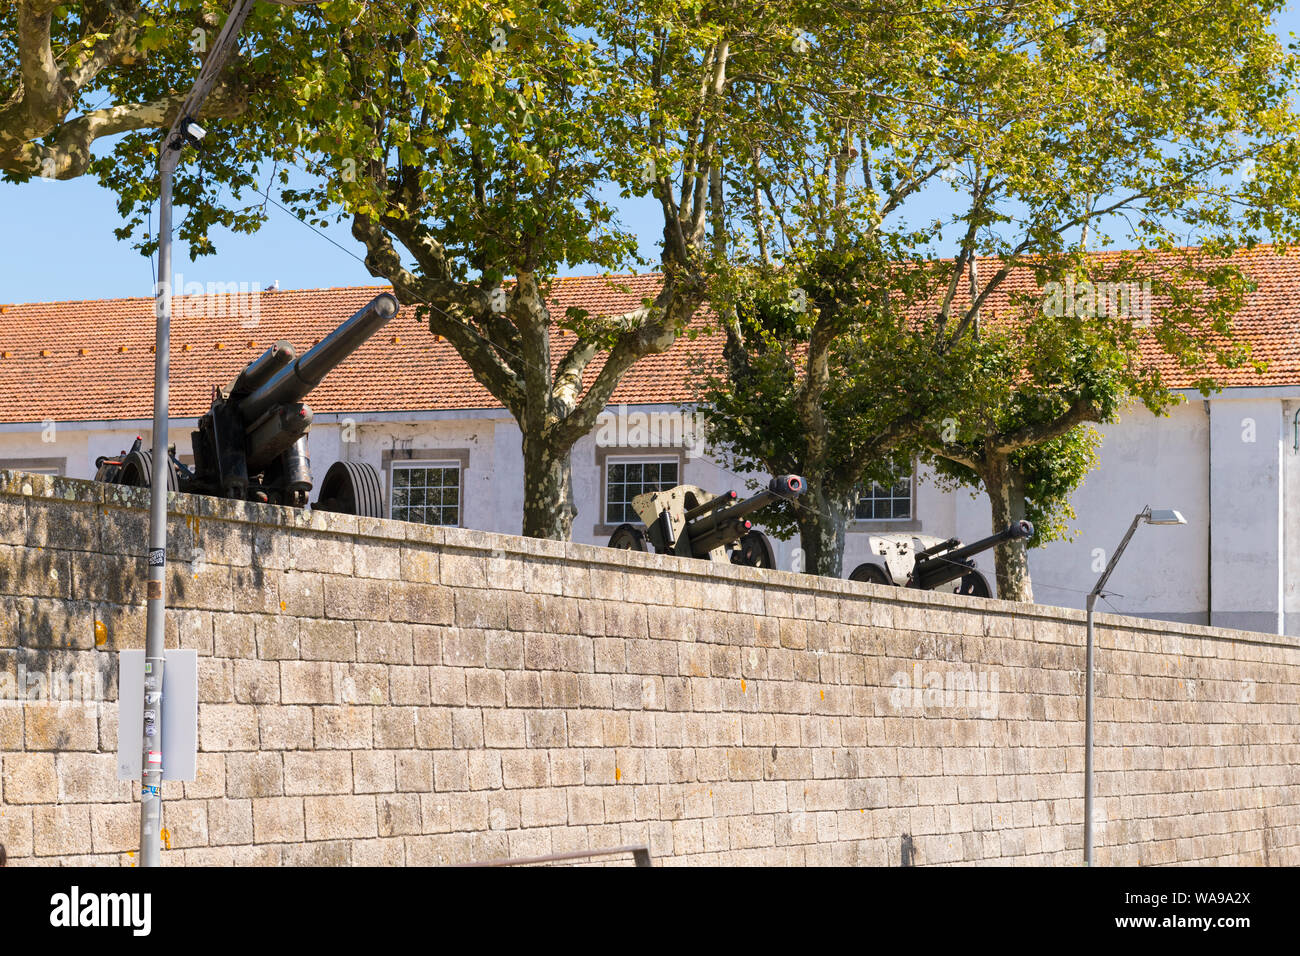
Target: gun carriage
point(693, 523)
point(251, 444)
point(931, 563)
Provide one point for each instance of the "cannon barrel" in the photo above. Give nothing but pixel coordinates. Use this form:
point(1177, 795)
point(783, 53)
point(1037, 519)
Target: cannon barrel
point(779, 488)
point(720, 535)
point(724, 499)
point(939, 548)
point(260, 370)
point(936, 569)
point(298, 377)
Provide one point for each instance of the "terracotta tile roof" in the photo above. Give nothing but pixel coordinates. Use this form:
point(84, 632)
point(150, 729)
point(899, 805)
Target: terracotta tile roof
point(1269, 319)
point(92, 360)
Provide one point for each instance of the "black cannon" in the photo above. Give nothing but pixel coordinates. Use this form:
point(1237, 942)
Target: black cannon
point(692, 523)
point(930, 563)
point(251, 444)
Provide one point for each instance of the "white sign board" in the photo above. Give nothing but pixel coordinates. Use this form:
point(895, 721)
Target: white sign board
point(180, 716)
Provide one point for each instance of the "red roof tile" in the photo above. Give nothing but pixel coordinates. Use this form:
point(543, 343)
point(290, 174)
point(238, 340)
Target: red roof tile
point(92, 360)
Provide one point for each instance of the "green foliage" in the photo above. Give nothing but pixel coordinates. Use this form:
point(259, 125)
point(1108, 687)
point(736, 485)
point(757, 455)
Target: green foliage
point(884, 371)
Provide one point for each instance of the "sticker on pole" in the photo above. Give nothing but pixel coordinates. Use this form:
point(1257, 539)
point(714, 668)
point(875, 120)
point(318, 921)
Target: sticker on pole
point(176, 705)
point(157, 557)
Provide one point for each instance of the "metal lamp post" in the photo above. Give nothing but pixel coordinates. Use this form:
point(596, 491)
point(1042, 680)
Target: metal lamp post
point(184, 130)
point(1160, 516)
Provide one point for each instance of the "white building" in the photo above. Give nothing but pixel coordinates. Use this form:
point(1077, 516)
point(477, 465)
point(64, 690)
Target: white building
point(76, 381)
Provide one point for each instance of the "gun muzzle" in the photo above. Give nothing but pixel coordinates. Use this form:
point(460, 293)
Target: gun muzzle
point(786, 486)
point(292, 382)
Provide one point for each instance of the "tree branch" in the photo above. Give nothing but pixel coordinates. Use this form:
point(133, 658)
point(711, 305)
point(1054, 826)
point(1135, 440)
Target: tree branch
point(452, 309)
point(1079, 412)
point(651, 330)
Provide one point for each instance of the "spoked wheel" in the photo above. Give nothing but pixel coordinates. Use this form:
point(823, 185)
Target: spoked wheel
point(351, 488)
point(753, 550)
point(137, 471)
point(628, 537)
point(870, 573)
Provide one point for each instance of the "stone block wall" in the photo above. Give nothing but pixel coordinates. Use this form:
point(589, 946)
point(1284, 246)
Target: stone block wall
point(375, 692)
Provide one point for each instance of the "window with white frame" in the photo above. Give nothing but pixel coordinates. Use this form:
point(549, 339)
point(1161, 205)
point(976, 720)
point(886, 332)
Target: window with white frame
point(627, 477)
point(888, 502)
point(428, 492)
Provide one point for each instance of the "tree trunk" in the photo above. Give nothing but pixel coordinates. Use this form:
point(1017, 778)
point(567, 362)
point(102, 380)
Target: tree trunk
point(1006, 490)
point(548, 490)
point(823, 519)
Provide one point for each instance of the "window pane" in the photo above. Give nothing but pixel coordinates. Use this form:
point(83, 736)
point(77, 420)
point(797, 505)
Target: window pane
point(426, 494)
point(624, 480)
point(884, 503)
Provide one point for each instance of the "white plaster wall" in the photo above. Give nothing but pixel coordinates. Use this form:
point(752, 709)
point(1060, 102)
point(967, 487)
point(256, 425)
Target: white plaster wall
point(80, 445)
point(1246, 498)
point(1143, 460)
point(1291, 519)
point(425, 439)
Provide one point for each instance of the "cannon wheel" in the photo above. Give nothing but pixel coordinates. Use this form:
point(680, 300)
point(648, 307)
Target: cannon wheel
point(753, 550)
point(351, 488)
point(137, 471)
point(870, 573)
point(628, 537)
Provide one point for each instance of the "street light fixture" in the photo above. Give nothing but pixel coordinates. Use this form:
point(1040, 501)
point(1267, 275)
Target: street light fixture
point(192, 132)
point(1158, 516)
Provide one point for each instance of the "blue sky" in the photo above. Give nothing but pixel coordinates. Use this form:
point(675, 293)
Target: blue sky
point(57, 242)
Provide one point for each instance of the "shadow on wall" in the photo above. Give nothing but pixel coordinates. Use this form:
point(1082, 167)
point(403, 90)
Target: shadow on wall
point(53, 623)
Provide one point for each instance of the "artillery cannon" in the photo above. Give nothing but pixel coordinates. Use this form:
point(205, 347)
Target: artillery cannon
point(692, 523)
point(930, 563)
point(251, 444)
